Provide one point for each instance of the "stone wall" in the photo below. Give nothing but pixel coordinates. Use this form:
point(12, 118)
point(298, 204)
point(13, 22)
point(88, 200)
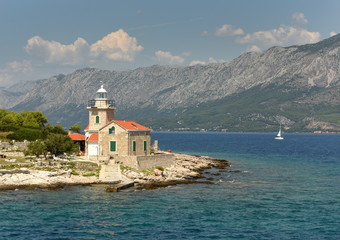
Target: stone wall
point(13, 154)
point(124, 141)
point(105, 116)
point(13, 145)
point(146, 162)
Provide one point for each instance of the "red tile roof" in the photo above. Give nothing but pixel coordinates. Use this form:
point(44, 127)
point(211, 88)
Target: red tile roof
point(77, 137)
point(131, 125)
point(93, 138)
point(87, 128)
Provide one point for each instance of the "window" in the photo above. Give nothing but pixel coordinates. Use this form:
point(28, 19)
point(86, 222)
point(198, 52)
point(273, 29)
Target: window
point(113, 146)
point(134, 146)
point(112, 130)
point(97, 119)
point(144, 145)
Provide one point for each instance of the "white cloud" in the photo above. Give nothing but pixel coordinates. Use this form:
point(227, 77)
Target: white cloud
point(118, 46)
point(331, 34)
point(210, 60)
point(228, 30)
point(283, 36)
point(13, 69)
point(205, 33)
point(254, 48)
point(55, 52)
point(196, 62)
point(168, 58)
point(299, 18)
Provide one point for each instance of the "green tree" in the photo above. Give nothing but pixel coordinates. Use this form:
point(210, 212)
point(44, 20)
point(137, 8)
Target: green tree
point(33, 118)
point(12, 118)
point(58, 144)
point(59, 129)
point(3, 113)
point(36, 148)
point(40, 118)
point(75, 128)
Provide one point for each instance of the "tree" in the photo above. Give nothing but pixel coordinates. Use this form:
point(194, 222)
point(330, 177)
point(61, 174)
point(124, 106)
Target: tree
point(75, 128)
point(58, 144)
point(36, 148)
point(11, 118)
point(59, 129)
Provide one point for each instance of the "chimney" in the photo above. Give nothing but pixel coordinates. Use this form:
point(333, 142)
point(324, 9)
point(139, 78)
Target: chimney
point(69, 131)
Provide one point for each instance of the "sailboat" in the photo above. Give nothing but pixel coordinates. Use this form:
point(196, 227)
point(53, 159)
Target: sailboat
point(279, 135)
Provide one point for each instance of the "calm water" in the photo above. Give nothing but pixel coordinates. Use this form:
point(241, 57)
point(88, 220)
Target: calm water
point(273, 190)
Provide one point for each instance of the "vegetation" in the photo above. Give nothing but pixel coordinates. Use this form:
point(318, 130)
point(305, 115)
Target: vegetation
point(26, 125)
point(36, 148)
point(54, 144)
point(252, 110)
point(75, 128)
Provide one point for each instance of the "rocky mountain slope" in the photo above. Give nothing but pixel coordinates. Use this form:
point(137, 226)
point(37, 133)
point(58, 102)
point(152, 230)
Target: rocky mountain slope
point(297, 86)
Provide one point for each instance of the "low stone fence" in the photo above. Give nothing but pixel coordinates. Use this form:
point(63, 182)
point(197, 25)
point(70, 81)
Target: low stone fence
point(13, 145)
point(146, 162)
point(12, 154)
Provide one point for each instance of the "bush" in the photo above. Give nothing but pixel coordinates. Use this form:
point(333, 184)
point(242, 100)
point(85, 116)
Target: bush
point(26, 134)
point(8, 128)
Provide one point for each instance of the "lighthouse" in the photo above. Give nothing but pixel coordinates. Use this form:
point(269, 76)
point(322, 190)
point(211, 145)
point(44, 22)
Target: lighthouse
point(101, 110)
point(120, 141)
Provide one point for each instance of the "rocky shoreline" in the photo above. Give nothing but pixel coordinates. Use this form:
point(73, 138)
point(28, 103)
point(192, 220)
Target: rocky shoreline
point(186, 170)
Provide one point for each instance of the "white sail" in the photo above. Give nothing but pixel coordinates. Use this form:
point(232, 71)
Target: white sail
point(279, 135)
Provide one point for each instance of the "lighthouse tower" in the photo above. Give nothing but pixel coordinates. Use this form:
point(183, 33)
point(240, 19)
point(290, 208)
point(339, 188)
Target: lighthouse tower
point(101, 110)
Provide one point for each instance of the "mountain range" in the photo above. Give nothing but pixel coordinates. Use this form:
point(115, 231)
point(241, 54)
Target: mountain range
point(297, 87)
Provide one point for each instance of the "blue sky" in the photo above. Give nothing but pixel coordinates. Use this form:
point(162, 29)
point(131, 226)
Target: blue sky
point(41, 38)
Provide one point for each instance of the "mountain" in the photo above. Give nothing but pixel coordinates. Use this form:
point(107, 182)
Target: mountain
point(12, 95)
point(297, 86)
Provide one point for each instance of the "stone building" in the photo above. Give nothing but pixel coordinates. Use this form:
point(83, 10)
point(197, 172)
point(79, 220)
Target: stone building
point(124, 141)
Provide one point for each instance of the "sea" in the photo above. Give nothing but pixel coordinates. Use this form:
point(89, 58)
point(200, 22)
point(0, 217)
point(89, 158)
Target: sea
point(287, 189)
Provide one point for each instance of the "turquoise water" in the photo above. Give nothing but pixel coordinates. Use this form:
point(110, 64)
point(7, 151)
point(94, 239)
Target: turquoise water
point(273, 190)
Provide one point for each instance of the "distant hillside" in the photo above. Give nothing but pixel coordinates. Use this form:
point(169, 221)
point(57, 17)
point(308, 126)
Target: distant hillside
point(12, 95)
point(297, 86)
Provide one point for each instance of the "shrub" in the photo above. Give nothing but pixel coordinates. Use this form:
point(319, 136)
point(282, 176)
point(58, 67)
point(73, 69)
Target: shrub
point(26, 134)
point(8, 128)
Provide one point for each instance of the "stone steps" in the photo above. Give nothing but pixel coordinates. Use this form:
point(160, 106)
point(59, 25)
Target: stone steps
point(110, 173)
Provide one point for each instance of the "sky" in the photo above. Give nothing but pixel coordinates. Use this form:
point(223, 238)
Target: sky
point(43, 38)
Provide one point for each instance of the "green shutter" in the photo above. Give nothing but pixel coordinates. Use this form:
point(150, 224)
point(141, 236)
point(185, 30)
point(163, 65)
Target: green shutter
point(134, 146)
point(97, 119)
point(113, 146)
point(144, 145)
point(112, 130)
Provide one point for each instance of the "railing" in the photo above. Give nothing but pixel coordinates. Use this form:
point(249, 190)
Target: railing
point(101, 103)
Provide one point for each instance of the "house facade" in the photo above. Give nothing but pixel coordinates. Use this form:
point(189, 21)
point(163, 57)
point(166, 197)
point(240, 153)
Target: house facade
point(110, 138)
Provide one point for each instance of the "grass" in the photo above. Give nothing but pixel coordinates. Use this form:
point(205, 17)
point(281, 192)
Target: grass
point(90, 174)
point(147, 171)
